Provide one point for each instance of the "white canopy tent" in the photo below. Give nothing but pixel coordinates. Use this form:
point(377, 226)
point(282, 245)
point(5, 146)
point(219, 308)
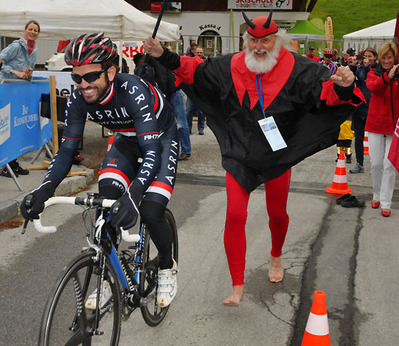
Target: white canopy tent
point(372, 36)
point(66, 19)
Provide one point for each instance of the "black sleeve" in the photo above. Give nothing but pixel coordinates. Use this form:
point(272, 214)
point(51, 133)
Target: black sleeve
point(169, 59)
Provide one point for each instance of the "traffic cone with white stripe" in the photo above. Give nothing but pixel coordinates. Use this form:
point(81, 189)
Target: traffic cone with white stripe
point(110, 140)
point(317, 332)
point(366, 143)
point(339, 185)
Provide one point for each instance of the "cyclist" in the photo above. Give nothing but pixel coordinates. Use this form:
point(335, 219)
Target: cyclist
point(140, 168)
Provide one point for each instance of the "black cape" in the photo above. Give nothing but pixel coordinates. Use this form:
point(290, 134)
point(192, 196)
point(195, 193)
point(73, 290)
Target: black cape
point(224, 89)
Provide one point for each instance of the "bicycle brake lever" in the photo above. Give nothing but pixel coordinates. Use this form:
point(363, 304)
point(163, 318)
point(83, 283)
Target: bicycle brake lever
point(28, 203)
point(25, 226)
point(115, 208)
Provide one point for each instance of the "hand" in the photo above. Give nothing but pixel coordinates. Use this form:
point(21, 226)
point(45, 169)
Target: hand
point(33, 204)
point(124, 212)
point(344, 77)
point(391, 73)
point(153, 47)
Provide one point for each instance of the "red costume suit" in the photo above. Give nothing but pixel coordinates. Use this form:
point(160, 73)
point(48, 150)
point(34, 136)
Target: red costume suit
point(308, 111)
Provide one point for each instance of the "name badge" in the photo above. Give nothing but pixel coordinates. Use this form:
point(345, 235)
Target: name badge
point(272, 133)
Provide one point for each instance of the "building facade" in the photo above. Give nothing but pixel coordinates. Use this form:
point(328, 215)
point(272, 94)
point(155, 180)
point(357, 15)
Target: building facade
point(218, 25)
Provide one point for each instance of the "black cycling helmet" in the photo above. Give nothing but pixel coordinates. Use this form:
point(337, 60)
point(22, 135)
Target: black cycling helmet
point(89, 49)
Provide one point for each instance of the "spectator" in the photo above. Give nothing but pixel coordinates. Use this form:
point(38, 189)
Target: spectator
point(380, 124)
point(138, 59)
point(366, 61)
point(345, 136)
point(191, 49)
point(311, 55)
point(245, 96)
point(344, 59)
point(190, 105)
point(327, 61)
point(166, 81)
point(17, 62)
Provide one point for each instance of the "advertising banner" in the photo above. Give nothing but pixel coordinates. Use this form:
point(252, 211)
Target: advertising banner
point(21, 127)
point(259, 4)
point(328, 27)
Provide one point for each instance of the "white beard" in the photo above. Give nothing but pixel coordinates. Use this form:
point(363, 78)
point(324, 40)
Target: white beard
point(265, 65)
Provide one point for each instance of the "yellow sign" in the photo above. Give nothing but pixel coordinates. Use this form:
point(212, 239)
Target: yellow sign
point(328, 28)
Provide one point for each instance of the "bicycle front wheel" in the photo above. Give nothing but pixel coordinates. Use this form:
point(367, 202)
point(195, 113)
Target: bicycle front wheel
point(67, 321)
point(152, 313)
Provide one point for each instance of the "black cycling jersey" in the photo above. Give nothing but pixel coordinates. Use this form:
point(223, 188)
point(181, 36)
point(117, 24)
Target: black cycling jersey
point(132, 107)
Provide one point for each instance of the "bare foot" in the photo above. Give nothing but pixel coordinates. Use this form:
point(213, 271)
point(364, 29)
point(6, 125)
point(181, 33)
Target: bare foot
point(235, 297)
point(276, 271)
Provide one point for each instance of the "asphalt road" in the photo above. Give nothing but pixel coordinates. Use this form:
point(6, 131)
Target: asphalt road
point(350, 253)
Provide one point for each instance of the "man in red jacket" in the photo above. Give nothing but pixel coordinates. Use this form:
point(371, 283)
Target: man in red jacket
point(311, 55)
point(269, 109)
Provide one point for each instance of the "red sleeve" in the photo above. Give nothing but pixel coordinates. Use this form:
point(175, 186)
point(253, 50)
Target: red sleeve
point(187, 68)
point(329, 95)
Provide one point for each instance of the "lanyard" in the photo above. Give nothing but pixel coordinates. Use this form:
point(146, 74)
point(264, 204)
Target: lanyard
point(260, 92)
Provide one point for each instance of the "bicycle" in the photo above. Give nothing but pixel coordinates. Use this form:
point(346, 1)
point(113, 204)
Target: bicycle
point(130, 275)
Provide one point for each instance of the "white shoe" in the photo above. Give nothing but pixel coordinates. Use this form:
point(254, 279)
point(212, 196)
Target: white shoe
point(105, 296)
point(167, 285)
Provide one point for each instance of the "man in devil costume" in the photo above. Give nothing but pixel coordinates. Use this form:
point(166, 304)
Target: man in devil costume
point(269, 108)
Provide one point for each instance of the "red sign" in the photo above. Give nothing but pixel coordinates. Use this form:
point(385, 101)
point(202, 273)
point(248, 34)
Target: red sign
point(156, 7)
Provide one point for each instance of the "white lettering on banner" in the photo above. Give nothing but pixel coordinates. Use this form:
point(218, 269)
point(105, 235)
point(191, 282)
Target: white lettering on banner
point(5, 117)
point(30, 121)
point(260, 4)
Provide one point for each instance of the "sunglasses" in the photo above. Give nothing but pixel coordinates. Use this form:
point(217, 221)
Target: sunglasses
point(328, 56)
point(89, 77)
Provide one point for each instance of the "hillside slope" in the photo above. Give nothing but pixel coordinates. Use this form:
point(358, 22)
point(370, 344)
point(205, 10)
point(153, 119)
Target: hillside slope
point(353, 15)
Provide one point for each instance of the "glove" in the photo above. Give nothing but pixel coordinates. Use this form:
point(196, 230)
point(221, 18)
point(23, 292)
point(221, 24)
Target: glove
point(33, 204)
point(124, 212)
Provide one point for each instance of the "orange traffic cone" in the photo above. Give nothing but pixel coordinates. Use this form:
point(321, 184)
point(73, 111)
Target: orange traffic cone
point(110, 141)
point(340, 182)
point(366, 143)
point(317, 331)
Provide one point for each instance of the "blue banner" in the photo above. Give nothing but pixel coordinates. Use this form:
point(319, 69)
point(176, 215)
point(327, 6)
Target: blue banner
point(21, 127)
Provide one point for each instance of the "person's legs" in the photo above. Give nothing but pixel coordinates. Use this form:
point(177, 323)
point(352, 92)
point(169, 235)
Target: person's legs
point(359, 124)
point(234, 237)
point(201, 121)
point(388, 177)
point(190, 109)
point(177, 102)
point(276, 202)
point(376, 149)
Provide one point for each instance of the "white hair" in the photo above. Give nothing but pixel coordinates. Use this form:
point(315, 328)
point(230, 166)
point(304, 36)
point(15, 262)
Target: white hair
point(263, 66)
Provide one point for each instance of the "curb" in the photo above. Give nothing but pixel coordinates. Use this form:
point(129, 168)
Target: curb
point(10, 208)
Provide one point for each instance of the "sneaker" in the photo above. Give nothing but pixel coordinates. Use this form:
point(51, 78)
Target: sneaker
point(167, 285)
point(348, 159)
point(18, 170)
point(357, 169)
point(6, 173)
point(105, 296)
point(184, 157)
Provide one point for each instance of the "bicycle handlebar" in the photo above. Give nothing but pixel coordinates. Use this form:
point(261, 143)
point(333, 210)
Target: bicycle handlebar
point(87, 201)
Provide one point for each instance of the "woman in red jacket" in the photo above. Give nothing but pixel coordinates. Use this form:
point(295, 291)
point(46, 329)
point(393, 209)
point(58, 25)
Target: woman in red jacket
point(381, 120)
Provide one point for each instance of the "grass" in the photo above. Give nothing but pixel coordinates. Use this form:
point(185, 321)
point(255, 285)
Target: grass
point(352, 15)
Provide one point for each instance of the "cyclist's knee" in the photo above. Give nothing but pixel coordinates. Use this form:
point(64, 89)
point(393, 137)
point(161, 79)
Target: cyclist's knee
point(151, 212)
point(110, 191)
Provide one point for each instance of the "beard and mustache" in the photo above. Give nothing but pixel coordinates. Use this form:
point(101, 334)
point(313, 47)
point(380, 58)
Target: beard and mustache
point(262, 65)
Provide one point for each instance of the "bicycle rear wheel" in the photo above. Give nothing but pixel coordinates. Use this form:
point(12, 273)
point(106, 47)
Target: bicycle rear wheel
point(66, 320)
point(152, 313)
